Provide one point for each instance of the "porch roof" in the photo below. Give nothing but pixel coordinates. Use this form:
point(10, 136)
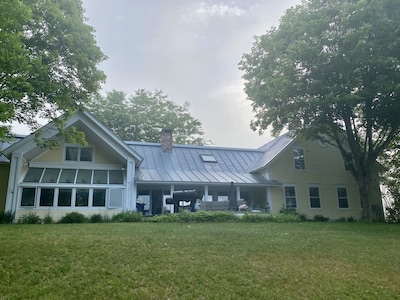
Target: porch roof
point(185, 164)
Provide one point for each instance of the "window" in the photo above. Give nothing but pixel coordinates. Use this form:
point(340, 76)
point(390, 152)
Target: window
point(64, 197)
point(67, 176)
point(86, 154)
point(290, 197)
point(71, 153)
point(208, 158)
point(100, 177)
point(315, 201)
point(116, 177)
point(33, 175)
point(28, 197)
point(46, 197)
point(84, 176)
point(82, 197)
point(78, 154)
point(342, 197)
point(298, 156)
point(50, 175)
point(99, 197)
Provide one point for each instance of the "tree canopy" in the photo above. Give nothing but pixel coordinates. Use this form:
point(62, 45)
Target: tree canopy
point(141, 116)
point(332, 67)
point(48, 60)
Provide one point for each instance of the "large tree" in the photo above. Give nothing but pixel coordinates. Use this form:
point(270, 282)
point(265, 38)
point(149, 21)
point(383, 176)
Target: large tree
point(141, 116)
point(332, 67)
point(48, 60)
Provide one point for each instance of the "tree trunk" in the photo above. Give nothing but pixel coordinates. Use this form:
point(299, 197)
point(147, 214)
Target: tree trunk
point(364, 188)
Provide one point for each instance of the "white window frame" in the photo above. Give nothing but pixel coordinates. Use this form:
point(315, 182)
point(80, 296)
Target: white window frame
point(66, 146)
point(295, 195)
point(319, 195)
point(338, 198)
point(303, 160)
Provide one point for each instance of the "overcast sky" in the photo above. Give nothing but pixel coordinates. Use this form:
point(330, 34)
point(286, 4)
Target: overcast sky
point(190, 50)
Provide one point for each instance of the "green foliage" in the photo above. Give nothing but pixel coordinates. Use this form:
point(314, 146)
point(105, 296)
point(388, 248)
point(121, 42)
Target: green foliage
point(73, 217)
point(48, 220)
point(331, 67)
point(96, 218)
point(128, 217)
point(30, 218)
point(196, 217)
point(140, 117)
point(320, 218)
point(6, 217)
point(48, 60)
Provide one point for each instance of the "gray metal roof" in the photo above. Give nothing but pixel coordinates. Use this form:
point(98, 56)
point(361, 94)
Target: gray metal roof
point(270, 151)
point(184, 165)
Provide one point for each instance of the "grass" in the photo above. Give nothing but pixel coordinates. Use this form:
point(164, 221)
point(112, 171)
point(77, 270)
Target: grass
point(308, 260)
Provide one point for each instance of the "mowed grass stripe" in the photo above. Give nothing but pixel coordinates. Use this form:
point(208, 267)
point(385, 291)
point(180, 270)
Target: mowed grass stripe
point(307, 260)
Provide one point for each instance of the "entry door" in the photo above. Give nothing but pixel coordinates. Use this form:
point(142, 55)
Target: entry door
point(157, 202)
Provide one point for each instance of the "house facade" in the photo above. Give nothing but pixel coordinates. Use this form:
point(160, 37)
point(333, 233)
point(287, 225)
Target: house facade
point(108, 175)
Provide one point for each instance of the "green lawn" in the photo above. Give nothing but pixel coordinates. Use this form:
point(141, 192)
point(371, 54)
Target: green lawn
point(200, 261)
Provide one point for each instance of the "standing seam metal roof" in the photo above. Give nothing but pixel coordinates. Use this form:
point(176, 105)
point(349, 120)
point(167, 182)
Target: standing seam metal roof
point(184, 164)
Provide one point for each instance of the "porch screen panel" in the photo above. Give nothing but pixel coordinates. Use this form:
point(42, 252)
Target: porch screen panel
point(116, 197)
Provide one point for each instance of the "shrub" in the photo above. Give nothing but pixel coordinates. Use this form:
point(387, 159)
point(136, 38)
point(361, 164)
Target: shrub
point(48, 220)
point(73, 217)
point(320, 218)
point(30, 218)
point(196, 217)
point(6, 217)
point(96, 218)
point(128, 217)
point(283, 218)
point(257, 218)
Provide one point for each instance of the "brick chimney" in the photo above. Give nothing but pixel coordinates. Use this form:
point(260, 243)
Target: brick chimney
point(166, 139)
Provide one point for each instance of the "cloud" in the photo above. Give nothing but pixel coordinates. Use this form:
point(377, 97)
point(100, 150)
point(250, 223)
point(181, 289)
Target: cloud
point(202, 11)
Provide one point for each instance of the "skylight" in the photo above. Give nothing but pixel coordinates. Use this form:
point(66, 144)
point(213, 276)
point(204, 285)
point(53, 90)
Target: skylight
point(208, 158)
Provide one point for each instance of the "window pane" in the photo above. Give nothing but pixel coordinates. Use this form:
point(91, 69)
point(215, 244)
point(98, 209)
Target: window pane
point(99, 197)
point(343, 203)
point(71, 153)
point(50, 175)
point(290, 197)
point(315, 203)
point(67, 176)
point(342, 192)
point(82, 197)
point(116, 177)
point(64, 197)
point(33, 175)
point(314, 192)
point(100, 176)
point(298, 155)
point(86, 154)
point(84, 176)
point(46, 197)
point(28, 197)
point(290, 191)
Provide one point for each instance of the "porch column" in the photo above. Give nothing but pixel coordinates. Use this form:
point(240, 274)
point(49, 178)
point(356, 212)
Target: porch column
point(269, 200)
point(237, 192)
point(205, 193)
point(12, 188)
point(130, 202)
